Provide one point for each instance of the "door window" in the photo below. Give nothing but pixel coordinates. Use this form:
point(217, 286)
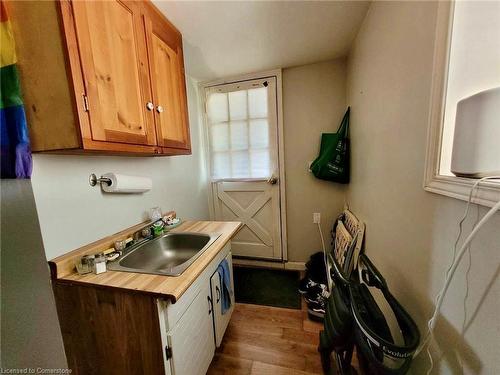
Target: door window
point(242, 130)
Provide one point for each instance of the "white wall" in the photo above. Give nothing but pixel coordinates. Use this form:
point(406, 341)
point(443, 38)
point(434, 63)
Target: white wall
point(410, 232)
point(73, 214)
point(314, 101)
point(474, 61)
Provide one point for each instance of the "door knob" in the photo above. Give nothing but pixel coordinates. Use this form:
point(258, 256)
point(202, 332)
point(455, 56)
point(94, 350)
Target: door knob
point(150, 106)
point(272, 180)
point(159, 109)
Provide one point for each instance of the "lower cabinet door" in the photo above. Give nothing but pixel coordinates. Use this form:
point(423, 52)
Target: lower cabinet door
point(221, 320)
point(191, 341)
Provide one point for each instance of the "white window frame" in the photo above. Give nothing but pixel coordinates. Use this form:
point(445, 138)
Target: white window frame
point(202, 86)
point(488, 193)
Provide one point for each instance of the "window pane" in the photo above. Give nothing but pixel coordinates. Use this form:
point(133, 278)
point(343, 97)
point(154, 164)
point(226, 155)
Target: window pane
point(238, 105)
point(240, 164)
point(221, 165)
point(259, 134)
point(257, 102)
point(219, 137)
point(474, 64)
point(217, 108)
point(239, 135)
point(261, 164)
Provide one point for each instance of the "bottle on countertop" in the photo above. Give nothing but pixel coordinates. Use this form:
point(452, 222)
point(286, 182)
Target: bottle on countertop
point(99, 263)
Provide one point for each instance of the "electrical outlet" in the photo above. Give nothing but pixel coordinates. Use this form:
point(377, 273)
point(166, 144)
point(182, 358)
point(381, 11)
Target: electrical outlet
point(316, 217)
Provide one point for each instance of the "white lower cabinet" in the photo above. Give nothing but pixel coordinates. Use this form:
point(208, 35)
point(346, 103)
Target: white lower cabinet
point(193, 326)
point(191, 341)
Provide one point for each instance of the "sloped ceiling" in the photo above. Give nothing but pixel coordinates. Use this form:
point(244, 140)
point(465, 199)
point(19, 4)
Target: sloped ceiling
point(222, 39)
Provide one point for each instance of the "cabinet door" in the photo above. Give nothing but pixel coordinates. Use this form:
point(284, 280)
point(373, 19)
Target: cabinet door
point(111, 39)
point(168, 83)
point(221, 321)
point(192, 339)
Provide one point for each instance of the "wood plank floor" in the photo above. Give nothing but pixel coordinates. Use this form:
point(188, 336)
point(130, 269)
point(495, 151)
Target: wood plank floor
point(268, 340)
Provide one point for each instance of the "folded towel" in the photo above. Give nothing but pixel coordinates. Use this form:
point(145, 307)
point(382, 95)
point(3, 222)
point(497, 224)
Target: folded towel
point(226, 291)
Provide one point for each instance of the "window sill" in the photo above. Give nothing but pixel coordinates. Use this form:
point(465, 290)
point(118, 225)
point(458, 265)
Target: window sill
point(486, 194)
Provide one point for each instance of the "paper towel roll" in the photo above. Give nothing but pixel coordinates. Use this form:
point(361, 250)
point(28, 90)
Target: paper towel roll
point(121, 183)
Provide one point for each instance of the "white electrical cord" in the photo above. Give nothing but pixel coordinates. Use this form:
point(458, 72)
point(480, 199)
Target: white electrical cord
point(466, 213)
point(453, 267)
point(322, 239)
point(328, 277)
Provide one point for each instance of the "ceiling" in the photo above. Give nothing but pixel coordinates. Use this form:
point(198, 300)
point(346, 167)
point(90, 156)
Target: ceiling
point(222, 39)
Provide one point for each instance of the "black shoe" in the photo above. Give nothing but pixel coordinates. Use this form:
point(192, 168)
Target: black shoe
point(315, 268)
point(318, 307)
point(316, 293)
point(316, 310)
point(316, 260)
point(306, 284)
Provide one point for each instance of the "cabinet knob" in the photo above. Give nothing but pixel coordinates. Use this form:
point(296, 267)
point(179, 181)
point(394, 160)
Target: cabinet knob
point(150, 106)
point(159, 109)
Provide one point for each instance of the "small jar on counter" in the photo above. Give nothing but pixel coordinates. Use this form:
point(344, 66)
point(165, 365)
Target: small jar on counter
point(99, 263)
point(85, 264)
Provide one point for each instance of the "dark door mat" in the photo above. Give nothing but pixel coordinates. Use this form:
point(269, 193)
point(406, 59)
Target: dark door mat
point(269, 287)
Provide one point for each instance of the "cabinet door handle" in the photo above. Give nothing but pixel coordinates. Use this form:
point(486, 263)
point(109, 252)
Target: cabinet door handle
point(217, 290)
point(150, 106)
point(159, 109)
point(209, 305)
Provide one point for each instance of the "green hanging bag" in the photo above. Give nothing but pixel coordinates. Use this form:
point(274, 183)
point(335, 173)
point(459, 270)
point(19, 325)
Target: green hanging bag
point(332, 163)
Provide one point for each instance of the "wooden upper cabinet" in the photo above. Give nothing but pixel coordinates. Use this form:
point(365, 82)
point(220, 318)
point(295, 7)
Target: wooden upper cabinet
point(119, 86)
point(115, 71)
point(167, 81)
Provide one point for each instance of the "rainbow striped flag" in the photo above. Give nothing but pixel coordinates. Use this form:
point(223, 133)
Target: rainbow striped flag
point(14, 140)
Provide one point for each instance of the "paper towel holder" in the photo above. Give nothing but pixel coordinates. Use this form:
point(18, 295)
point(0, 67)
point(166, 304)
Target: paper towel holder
point(93, 180)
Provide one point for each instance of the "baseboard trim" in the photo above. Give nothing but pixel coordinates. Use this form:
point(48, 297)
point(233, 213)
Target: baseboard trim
point(296, 266)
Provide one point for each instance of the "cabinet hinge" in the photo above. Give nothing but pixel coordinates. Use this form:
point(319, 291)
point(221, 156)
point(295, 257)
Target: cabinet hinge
point(85, 103)
point(168, 352)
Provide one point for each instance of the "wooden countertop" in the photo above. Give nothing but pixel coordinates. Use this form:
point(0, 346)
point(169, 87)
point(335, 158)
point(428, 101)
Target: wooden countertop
point(171, 287)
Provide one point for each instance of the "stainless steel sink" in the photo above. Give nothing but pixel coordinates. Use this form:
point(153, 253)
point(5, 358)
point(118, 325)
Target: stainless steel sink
point(168, 255)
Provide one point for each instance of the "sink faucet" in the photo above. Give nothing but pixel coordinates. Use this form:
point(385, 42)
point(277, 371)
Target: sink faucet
point(146, 232)
point(142, 234)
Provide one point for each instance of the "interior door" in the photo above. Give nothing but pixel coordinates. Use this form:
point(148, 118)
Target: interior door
point(111, 38)
point(168, 83)
point(243, 146)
